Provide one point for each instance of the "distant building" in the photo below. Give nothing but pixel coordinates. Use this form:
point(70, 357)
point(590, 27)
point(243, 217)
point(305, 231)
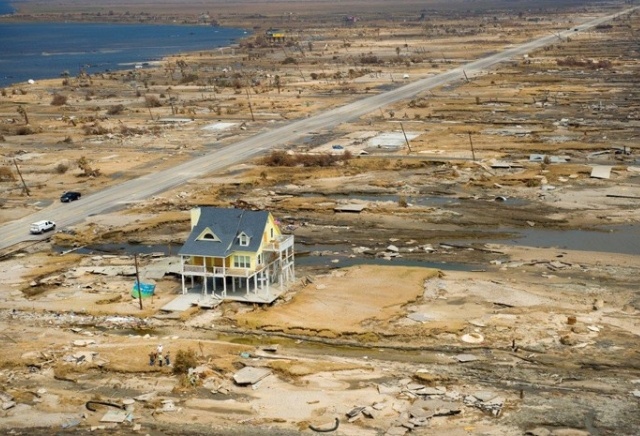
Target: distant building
point(276, 35)
point(350, 20)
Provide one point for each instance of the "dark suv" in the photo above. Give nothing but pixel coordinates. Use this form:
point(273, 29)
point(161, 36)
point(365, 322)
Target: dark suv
point(70, 196)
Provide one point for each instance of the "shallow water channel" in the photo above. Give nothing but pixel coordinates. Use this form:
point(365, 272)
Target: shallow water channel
point(612, 239)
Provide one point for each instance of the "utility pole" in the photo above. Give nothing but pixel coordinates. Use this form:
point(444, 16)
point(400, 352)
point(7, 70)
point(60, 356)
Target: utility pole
point(138, 284)
point(25, 189)
point(250, 108)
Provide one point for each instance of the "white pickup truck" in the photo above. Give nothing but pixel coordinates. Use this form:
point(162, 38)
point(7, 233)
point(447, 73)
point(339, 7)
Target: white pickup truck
point(42, 226)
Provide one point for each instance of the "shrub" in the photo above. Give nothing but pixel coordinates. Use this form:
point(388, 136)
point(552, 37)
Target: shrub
point(62, 168)
point(184, 360)
point(115, 110)
point(131, 131)
point(24, 130)
point(152, 101)
point(189, 78)
point(6, 175)
point(279, 158)
point(58, 100)
point(588, 64)
point(94, 129)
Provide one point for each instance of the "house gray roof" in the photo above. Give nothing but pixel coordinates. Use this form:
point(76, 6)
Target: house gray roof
point(226, 224)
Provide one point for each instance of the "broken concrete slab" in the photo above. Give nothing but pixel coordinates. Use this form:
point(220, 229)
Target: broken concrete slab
point(484, 395)
point(113, 271)
point(369, 412)
point(539, 431)
point(355, 411)
point(472, 338)
point(418, 317)
point(397, 431)
point(169, 406)
point(350, 208)
point(83, 342)
point(601, 172)
point(417, 411)
point(548, 158)
point(443, 408)
point(388, 390)
point(250, 375)
point(116, 416)
point(427, 391)
point(8, 405)
point(463, 358)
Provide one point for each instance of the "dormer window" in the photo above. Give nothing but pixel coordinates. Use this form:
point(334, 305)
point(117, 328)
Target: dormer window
point(208, 235)
point(243, 240)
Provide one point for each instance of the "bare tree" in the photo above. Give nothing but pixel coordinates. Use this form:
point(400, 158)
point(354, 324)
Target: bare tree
point(22, 111)
point(276, 81)
point(83, 164)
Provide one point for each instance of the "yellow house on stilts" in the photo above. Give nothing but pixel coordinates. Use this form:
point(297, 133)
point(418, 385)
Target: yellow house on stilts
point(236, 254)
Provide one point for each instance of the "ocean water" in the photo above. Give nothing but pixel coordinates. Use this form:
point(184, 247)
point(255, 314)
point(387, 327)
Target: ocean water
point(49, 50)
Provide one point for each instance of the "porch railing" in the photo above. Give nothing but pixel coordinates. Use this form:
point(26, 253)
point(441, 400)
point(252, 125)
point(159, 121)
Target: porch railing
point(218, 271)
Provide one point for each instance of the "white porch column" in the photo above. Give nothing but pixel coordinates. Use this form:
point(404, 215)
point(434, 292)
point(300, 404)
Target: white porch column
point(224, 278)
point(184, 291)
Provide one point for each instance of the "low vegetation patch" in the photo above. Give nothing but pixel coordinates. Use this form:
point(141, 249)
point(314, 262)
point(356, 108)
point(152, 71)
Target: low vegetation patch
point(279, 158)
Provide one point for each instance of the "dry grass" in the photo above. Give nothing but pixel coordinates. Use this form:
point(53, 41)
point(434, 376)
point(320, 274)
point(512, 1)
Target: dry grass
point(343, 303)
point(296, 368)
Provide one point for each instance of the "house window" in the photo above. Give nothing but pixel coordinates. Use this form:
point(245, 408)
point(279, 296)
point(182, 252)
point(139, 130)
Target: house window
point(260, 260)
point(208, 235)
point(271, 232)
point(241, 261)
point(243, 240)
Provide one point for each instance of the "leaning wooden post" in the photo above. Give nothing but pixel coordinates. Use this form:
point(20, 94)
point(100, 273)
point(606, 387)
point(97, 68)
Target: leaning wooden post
point(473, 153)
point(24, 185)
point(135, 259)
point(405, 138)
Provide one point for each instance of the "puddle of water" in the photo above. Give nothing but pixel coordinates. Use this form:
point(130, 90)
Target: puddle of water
point(344, 261)
point(613, 239)
point(417, 200)
point(351, 351)
point(124, 249)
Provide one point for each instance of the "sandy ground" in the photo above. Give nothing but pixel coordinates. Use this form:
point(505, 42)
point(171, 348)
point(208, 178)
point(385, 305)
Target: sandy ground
point(522, 339)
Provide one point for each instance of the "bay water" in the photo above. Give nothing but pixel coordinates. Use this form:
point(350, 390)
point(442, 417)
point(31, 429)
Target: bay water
point(37, 50)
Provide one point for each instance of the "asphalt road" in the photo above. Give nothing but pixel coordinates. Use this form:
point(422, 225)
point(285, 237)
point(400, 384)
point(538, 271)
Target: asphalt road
point(66, 214)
